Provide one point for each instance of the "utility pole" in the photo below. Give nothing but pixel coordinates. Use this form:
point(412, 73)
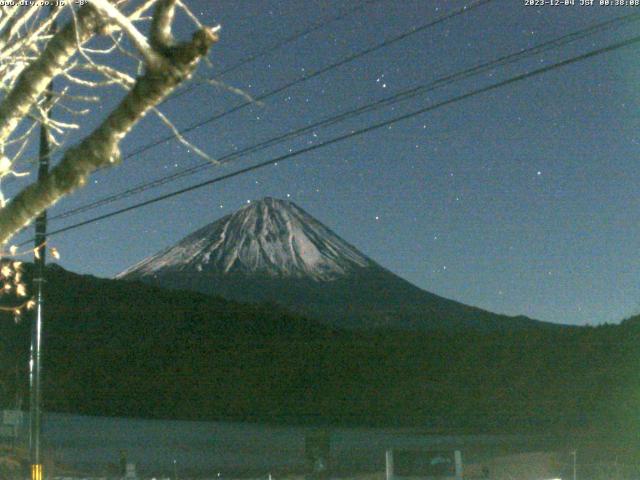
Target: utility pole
point(574, 454)
point(35, 361)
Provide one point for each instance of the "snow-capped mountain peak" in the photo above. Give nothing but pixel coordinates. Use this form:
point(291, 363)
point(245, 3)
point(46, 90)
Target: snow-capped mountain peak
point(270, 236)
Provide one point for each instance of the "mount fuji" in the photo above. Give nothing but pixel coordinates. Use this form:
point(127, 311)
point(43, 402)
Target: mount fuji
point(273, 251)
point(270, 237)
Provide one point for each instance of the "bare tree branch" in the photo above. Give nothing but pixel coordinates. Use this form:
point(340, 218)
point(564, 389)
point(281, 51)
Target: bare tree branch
point(35, 78)
point(101, 148)
point(161, 36)
point(137, 38)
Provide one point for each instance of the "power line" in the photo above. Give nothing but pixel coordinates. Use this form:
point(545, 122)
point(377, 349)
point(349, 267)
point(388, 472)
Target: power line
point(277, 45)
point(230, 156)
point(317, 73)
point(295, 37)
point(306, 77)
point(370, 128)
point(260, 53)
point(400, 96)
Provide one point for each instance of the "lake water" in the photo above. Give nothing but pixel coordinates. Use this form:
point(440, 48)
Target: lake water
point(157, 447)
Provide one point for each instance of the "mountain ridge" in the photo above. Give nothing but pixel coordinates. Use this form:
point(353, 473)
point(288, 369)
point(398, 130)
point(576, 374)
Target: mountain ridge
point(120, 348)
point(274, 251)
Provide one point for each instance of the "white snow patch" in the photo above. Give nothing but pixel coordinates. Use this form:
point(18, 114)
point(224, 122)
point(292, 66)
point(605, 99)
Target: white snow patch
point(271, 236)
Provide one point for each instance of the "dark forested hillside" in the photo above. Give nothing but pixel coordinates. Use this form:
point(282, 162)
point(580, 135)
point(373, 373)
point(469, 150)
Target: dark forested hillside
point(120, 348)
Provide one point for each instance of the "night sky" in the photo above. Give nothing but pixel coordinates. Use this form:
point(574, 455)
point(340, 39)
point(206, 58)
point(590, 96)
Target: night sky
point(523, 200)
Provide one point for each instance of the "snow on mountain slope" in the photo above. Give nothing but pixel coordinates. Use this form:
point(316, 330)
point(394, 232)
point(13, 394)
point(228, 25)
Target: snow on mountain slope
point(270, 236)
point(273, 251)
